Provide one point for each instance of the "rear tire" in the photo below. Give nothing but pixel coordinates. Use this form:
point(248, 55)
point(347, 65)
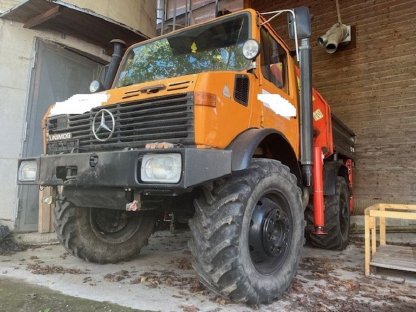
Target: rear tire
point(101, 235)
point(337, 219)
point(248, 233)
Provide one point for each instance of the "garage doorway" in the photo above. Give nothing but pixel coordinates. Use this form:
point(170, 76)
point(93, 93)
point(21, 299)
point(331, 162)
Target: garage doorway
point(57, 75)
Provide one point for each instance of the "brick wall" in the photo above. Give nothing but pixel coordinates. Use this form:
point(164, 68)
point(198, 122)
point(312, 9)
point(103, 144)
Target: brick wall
point(371, 86)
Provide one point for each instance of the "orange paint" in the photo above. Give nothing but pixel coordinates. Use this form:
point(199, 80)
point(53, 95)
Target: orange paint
point(218, 125)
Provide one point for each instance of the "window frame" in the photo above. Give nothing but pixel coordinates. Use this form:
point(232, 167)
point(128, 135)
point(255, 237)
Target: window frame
point(266, 34)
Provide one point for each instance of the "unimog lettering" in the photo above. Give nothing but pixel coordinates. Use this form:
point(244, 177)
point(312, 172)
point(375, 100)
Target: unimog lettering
point(60, 136)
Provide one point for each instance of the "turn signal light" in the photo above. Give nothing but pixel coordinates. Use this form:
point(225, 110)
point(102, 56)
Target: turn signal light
point(205, 99)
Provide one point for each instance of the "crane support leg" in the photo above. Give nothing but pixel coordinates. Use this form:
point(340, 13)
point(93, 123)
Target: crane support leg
point(318, 192)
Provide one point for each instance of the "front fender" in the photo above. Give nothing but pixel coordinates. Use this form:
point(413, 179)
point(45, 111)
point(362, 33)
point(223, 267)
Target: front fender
point(244, 146)
point(277, 146)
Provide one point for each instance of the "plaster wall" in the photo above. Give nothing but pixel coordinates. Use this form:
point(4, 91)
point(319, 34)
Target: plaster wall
point(7, 4)
point(16, 63)
point(140, 15)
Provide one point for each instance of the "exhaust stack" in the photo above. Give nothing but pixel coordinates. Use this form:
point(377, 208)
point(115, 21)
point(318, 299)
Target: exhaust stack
point(306, 121)
point(118, 49)
point(300, 28)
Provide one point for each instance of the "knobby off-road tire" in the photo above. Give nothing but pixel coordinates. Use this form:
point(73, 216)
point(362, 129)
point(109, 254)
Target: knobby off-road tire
point(337, 219)
point(101, 235)
point(248, 233)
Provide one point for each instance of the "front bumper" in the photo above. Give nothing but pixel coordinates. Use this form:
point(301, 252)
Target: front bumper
point(122, 168)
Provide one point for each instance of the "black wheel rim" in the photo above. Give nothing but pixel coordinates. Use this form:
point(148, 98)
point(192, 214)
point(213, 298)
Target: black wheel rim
point(114, 226)
point(270, 232)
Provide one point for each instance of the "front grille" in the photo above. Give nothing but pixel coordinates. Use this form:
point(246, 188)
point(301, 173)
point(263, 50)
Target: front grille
point(164, 119)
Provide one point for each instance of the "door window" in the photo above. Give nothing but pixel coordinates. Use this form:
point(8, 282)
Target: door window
point(273, 61)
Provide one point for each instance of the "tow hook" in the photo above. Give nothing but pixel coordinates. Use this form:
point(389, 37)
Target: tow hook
point(135, 205)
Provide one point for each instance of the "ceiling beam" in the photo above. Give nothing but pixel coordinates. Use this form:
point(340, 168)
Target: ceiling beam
point(43, 17)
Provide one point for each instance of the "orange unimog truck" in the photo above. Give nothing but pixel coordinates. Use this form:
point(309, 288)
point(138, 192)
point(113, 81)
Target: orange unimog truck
point(215, 124)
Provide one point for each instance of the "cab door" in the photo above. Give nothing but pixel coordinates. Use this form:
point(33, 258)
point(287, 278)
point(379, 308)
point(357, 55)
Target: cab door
point(277, 91)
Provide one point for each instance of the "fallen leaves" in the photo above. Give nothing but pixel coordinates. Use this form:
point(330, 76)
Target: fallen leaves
point(189, 308)
point(184, 264)
point(117, 276)
point(36, 268)
point(168, 278)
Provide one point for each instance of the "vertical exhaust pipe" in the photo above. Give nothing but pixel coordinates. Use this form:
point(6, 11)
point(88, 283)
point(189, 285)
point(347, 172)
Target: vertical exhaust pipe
point(300, 28)
point(118, 49)
point(306, 126)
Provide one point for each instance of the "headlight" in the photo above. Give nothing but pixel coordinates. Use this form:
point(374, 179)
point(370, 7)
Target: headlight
point(27, 170)
point(251, 49)
point(96, 86)
point(164, 168)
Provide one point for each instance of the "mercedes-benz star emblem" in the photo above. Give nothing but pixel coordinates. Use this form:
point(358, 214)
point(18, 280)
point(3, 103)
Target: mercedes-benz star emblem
point(103, 125)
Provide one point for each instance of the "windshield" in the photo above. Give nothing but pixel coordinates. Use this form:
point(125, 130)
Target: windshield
point(211, 47)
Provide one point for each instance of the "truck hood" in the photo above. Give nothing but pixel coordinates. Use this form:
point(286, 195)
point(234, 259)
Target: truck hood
point(82, 103)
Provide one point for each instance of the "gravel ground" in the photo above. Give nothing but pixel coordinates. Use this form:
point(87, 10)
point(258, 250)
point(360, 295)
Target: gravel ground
point(162, 279)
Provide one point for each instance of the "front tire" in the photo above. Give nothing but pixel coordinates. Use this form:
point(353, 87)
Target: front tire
point(101, 235)
point(247, 233)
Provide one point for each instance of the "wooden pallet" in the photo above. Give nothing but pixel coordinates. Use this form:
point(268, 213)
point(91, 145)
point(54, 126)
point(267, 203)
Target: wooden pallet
point(387, 256)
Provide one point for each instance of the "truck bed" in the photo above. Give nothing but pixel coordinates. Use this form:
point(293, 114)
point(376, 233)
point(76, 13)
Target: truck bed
point(344, 138)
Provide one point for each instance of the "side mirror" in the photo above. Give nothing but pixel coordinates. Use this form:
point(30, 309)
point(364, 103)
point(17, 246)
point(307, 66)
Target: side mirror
point(96, 86)
point(303, 23)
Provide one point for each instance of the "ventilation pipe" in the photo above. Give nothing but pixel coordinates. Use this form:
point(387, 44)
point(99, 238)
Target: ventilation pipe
point(333, 37)
point(338, 33)
point(118, 48)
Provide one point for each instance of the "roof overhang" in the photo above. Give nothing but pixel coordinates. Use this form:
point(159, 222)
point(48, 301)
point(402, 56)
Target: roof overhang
point(71, 20)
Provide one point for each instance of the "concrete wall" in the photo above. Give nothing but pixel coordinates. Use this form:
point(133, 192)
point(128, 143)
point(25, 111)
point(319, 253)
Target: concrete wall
point(139, 14)
point(7, 4)
point(16, 59)
point(371, 85)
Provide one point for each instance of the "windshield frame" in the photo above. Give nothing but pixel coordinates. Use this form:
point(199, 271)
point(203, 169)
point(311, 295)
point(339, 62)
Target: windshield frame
point(173, 33)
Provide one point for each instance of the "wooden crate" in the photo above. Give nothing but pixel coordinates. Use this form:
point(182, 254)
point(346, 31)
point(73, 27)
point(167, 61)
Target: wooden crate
point(387, 256)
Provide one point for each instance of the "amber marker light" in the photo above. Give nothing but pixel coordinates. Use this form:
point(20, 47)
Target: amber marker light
point(205, 99)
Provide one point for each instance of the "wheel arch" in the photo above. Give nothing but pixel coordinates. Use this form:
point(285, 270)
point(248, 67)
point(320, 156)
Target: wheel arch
point(266, 143)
